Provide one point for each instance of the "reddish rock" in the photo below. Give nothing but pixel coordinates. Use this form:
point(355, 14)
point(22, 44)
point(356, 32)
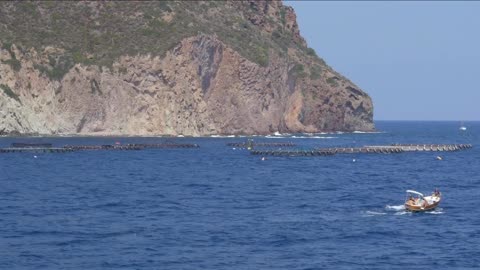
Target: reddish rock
point(203, 85)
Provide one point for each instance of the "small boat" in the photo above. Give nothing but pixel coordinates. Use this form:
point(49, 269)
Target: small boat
point(417, 202)
point(462, 127)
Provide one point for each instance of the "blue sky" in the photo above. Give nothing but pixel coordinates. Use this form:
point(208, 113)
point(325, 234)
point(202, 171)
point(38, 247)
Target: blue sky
point(417, 60)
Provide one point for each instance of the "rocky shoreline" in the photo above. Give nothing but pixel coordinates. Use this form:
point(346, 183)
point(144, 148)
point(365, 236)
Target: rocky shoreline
point(204, 84)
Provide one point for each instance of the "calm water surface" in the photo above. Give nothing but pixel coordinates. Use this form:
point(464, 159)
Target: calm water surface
point(220, 208)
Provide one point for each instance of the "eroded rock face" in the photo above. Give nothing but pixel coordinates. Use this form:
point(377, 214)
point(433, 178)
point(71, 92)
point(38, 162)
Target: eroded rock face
point(202, 86)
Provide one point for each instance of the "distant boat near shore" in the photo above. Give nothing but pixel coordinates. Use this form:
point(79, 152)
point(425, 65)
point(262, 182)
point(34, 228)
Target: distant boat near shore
point(462, 127)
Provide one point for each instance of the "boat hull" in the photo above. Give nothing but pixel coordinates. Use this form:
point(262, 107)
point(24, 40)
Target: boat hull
point(415, 207)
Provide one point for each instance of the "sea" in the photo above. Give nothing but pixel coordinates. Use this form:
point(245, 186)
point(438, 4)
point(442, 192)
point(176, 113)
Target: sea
point(219, 207)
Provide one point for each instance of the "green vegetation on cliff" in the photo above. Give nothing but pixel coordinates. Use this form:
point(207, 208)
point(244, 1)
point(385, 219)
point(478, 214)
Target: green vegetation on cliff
point(9, 92)
point(100, 32)
point(13, 62)
point(67, 61)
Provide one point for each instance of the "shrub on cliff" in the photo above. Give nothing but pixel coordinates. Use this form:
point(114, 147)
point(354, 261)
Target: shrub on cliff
point(9, 92)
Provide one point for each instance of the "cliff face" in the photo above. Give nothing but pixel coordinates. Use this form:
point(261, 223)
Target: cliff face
point(151, 68)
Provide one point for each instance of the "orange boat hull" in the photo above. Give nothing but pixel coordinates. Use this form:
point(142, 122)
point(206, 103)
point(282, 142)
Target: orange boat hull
point(421, 208)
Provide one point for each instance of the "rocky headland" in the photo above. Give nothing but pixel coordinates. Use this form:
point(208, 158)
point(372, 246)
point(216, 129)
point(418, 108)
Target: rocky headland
point(167, 68)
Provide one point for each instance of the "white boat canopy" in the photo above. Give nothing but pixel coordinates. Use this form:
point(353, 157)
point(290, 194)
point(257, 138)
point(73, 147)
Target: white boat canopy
point(415, 192)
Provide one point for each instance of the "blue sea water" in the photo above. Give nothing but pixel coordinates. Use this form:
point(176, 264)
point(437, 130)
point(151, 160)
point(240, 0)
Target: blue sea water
point(221, 208)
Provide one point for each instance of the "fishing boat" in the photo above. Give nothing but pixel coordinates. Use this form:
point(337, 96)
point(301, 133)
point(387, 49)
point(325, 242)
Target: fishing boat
point(417, 202)
point(462, 127)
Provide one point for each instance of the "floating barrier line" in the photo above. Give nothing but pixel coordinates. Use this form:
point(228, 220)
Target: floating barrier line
point(292, 153)
point(71, 148)
point(375, 149)
point(35, 150)
point(131, 146)
point(398, 148)
point(257, 144)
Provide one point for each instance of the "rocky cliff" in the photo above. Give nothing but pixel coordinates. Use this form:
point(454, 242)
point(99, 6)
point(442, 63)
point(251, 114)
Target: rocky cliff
point(167, 68)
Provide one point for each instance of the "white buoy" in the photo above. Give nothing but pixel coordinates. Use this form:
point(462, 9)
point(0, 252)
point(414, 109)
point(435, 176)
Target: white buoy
point(354, 160)
point(233, 148)
point(263, 158)
point(439, 158)
point(34, 156)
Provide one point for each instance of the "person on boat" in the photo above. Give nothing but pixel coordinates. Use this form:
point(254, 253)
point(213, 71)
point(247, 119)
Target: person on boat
point(411, 200)
point(436, 192)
